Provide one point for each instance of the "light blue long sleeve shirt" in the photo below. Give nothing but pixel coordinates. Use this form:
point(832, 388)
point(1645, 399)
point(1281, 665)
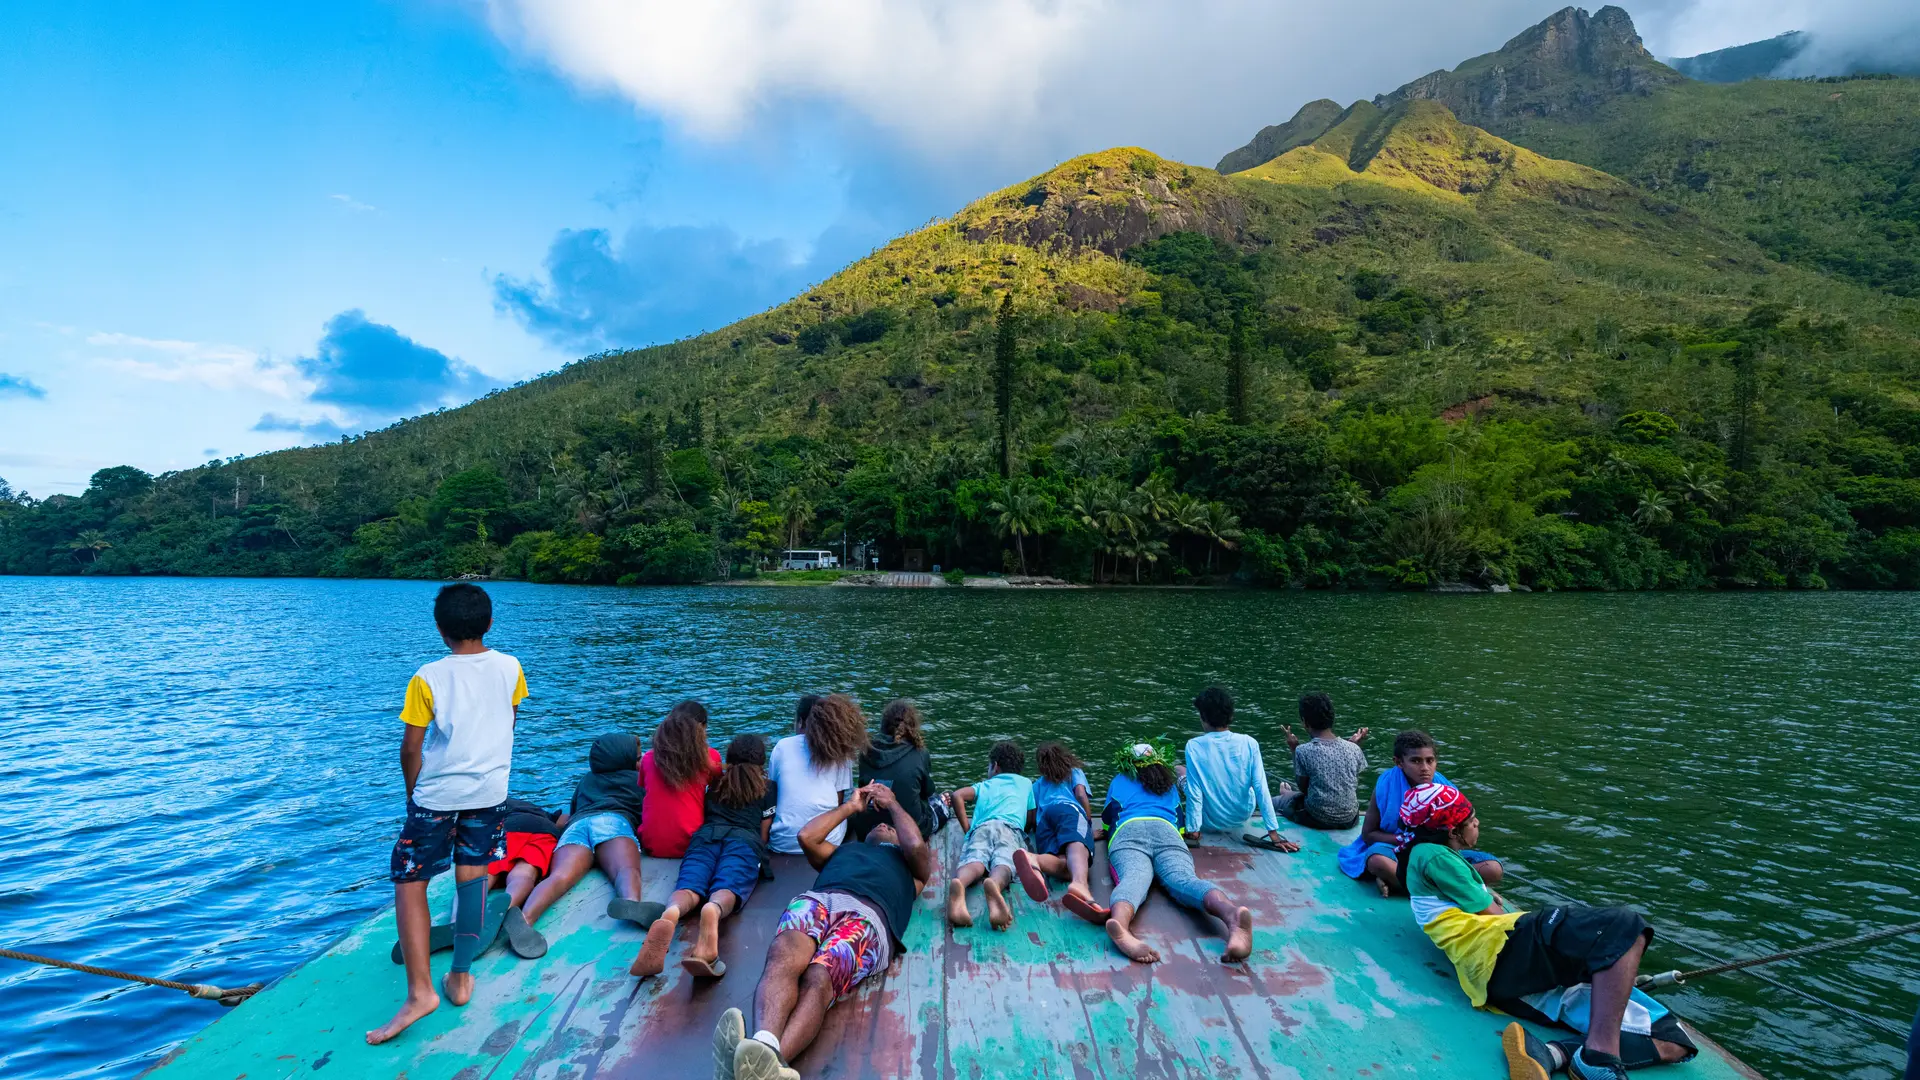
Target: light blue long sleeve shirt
point(1226, 782)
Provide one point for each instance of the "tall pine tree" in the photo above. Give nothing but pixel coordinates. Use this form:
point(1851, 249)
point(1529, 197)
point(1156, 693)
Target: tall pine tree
point(1237, 369)
point(1005, 354)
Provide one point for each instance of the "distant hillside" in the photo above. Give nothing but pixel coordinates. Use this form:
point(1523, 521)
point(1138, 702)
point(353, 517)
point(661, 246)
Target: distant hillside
point(1404, 350)
point(1311, 122)
point(1754, 60)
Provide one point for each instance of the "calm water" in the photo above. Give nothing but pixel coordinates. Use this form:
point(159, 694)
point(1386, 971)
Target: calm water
point(201, 776)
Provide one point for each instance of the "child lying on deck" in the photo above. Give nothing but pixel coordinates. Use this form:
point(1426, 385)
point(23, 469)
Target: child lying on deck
point(1145, 844)
point(1005, 804)
point(1524, 963)
point(1063, 834)
point(1374, 853)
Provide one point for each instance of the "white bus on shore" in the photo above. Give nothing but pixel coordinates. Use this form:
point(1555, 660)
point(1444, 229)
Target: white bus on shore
point(808, 559)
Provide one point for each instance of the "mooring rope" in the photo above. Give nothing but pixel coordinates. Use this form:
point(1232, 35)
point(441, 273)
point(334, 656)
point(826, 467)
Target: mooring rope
point(1744, 967)
point(204, 991)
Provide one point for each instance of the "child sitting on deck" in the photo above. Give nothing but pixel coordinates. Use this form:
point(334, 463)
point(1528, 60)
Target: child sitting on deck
point(722, 863)
point(1143, 806)
point(1005, 805)
point(1226, 778)
point(673, 776)
point(455, 755)
point(1374, 853)
point(813, 767)
point(602, 825)
point(1523, 963)
point(1328, 768)
point(1063, 833)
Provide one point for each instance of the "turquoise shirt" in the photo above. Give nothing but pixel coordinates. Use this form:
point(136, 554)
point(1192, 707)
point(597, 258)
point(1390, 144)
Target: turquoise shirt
point(1002, 797)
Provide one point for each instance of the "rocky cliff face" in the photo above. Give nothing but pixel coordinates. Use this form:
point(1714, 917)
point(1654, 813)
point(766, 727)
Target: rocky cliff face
point(1567, 64)
point(1107, 202)
point(1313, 120)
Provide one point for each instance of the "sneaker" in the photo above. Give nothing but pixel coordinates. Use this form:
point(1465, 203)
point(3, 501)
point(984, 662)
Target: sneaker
point(1593, 1065)
point(1527, 1057)
point(755, 1060)
point(726, 1040)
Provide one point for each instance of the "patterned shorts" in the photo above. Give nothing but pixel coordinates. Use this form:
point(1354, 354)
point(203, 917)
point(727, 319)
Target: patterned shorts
point(431, 840)
point(849, 943)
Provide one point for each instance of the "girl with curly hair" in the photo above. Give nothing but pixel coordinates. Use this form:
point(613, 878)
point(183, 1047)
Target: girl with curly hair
point(1145, 845)
point(674, 774)
point(813, 768)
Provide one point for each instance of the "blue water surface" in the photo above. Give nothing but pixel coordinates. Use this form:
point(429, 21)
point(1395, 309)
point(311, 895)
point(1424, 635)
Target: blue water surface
point(201, 777)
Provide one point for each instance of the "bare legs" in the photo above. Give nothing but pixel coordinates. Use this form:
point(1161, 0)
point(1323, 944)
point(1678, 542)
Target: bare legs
point(963, 878)
point(570, 864)
point(653, 953)
point(619, 859)
point(1120, 931)
point(1070, 868)
point(1386, 873)
point(416, 922)
point(1237, 920)
point(994, 885)
point(706, 948)
point(794, 994)
point(1611, 988)
point(518, 882)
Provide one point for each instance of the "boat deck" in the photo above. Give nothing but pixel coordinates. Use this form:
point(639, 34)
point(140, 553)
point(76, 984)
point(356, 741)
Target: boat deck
point(1341, 984)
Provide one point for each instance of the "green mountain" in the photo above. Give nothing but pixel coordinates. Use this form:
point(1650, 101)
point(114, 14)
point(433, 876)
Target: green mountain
point(1754, 60)
point(1311, 122)
point(1403, 350)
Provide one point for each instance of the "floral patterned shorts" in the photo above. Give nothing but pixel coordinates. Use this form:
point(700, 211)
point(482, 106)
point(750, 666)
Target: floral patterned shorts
point(849, 940)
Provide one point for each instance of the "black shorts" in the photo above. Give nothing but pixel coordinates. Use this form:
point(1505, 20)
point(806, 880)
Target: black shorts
point(431, 840)
point(1294, 809)
point(1563, 946)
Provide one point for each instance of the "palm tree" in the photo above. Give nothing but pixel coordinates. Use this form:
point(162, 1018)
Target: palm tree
point(1021, 511)
point(1188, 516)
point(1655, 509)
point(613, 465)
point(578, 495)
point(1223, 528)
point(92, 541)
point(1700, 488)
point(796, 511)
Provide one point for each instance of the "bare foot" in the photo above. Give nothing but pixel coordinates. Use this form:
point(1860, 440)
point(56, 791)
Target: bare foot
point(1386, 890)
point(459, 986)
point(957, 912)
point(999, 912)
point(706, 947)
point(1130, 947)
point(1240, 939)
point(412, 1010)
point(653, 952)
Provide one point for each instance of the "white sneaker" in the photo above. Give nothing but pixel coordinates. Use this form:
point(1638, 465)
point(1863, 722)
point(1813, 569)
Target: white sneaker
point(727, 1033)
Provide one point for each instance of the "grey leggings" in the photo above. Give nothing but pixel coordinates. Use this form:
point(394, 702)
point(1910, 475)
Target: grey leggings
point(1142, 849)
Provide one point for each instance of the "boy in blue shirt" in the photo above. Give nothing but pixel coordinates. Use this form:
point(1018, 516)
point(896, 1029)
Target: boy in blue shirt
point(993, 835)
point(460, 713)
point(1226, 779)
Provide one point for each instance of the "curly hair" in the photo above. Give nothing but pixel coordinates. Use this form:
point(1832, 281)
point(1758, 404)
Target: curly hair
point(901, 723)
point(1316, 711)
point(1007, 757)
point(1410, 740)
point(1057, 762)
point(745, 779)
point(680, 749)
point(1215, 707)
point(1158, 779)
point(836, 731)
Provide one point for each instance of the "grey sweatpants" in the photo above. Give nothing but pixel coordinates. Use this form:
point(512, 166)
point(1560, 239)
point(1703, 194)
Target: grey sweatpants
point(1143, 849)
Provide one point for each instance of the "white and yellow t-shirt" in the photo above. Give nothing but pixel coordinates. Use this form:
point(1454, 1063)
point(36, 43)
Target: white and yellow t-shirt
point(1447, 897)
point(466, 703)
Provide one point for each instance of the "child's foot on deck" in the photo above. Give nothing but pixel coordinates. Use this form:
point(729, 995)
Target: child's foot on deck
point(458, 986)
point(653, 952)
point(1386, 890)
point(1029, 876)
point(1130, 947)
point(413, 1009)
point(706, 948)
point(957, 912)
point(1240, 938)
point(999, 912)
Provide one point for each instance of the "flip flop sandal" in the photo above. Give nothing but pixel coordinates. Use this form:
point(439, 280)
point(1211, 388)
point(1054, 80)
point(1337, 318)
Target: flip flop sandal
point(643, 912)
point(1086, 909)
point(1253, 840)
point(440, 938)
point(1029, 876)
point(700, 969)
point(526, 942)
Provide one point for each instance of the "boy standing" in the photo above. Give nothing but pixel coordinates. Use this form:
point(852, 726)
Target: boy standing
point(1226, 780)
point(457, 750)
point(1006, 802)
point(1328, 768)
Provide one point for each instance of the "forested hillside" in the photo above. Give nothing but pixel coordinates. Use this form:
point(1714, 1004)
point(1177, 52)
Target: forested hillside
point(1397, 351)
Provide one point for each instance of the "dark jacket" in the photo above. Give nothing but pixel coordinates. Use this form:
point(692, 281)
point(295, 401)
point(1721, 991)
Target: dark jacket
point(614, 784)
point(909, 769)
point(526, 817)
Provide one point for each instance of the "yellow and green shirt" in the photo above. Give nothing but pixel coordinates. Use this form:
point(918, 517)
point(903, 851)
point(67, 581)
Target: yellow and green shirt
point(1447, 897)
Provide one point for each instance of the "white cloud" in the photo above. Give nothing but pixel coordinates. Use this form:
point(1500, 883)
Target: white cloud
point(352, 203)
point(219, 367)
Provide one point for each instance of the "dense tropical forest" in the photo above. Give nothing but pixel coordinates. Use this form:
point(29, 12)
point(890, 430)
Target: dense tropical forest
point(1637, 332)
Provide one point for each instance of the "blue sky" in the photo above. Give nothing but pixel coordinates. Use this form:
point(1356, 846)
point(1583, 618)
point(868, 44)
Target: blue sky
point(231, 227)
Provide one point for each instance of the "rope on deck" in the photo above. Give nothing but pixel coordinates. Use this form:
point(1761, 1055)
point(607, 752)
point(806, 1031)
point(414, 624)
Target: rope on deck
point(1724, 964)
point(203, 991)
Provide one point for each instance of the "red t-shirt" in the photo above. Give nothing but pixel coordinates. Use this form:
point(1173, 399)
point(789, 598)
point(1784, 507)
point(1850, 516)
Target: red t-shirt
point(668, 818)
